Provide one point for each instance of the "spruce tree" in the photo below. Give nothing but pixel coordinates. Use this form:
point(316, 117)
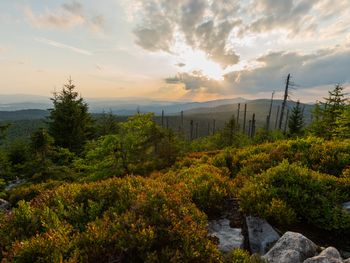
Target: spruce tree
point(70, 123)
point(325, 114)
point(296, 120)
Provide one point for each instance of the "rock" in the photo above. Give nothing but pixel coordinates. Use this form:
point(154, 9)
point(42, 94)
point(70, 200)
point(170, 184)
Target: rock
point(4, 205)
point(329, 255)
point(229, 238)
point(346, 206)
point(291, 248)
point(331, 252)
point(14, 184)
point(261, 235)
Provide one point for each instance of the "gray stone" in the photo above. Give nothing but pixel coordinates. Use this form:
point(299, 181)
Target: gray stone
point(346, 206)
point(291, 247)
point(229, 238)
point(261, 235)
point(329, 255)
point(331, 252)
point(4, 205)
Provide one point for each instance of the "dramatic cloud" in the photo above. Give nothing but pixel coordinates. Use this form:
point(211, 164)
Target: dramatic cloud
point(214, 26)
point(202, 25)
point(63, 46)
point(68, 15)
point(324, 67)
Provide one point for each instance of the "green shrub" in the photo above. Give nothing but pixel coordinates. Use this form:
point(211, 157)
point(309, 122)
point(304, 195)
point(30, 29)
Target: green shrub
point(209, 187)
point(238, 256)
point(288, 193)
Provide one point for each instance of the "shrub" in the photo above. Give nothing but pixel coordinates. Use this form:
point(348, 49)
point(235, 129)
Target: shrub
point(209, 187)
point(288, 193)
point(238, 256)
point(131, 220)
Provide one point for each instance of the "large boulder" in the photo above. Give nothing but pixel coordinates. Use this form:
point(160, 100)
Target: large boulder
point(329, 255)
point(261, 235)
point(229, 238)
point(291, 248)
point(4, 205)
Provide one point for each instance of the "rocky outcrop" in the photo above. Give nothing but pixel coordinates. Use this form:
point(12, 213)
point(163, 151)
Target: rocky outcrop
point(261, 235)
point(4, 205)
point(229, 238)
point(291, 248)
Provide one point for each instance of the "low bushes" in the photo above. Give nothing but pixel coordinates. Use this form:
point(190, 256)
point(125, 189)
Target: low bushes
point(209, 187)
point(130, 220)
point(289, 193)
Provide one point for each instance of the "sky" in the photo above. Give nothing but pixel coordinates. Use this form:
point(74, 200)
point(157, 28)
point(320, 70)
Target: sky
point(175, 50)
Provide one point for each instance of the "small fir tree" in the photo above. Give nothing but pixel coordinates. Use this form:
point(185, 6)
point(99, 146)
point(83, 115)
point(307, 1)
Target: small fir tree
point(70, 123)
point(296, 120)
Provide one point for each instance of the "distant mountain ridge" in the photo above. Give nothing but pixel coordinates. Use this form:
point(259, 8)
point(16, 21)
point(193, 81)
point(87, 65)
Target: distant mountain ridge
point(122, 106)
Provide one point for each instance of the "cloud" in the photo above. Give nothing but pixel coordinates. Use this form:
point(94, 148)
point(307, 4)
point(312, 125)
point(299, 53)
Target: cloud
point(324, 67)
point(66, 16)
point(320, 68)
point(180, 65)
point(201, 25)
point(195, 81)
point(214, 27)
point(293, 16)
point(63, 46)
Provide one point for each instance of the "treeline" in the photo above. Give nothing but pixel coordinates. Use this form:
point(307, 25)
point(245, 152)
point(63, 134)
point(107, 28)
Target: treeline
point(110, 145)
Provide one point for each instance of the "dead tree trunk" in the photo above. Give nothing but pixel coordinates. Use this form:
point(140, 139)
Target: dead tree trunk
point(214, 126)
point(191, 130)
point(238, 111)
point(253, 125)
point(163, 118)
point(270, 111)
point(245, 117)
point(250, 128)
point(284, 102)
point(277, 116)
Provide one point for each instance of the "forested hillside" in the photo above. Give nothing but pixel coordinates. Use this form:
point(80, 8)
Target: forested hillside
point(108, 189)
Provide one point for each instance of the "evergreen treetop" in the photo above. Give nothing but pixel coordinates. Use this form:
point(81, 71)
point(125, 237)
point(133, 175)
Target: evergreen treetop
point(70, 123)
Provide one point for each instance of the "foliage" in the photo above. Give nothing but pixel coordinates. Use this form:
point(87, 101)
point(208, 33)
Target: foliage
point(209, 187)
point(41, 143)
point(289, 193)
point(330, 157)
point(139, 147)
point(70, 124)
point(342, 129)
point(238, 256)
point(242, 256)
point(130, 220)
point(296, 120)
point(325, 115)
point(106, 124)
